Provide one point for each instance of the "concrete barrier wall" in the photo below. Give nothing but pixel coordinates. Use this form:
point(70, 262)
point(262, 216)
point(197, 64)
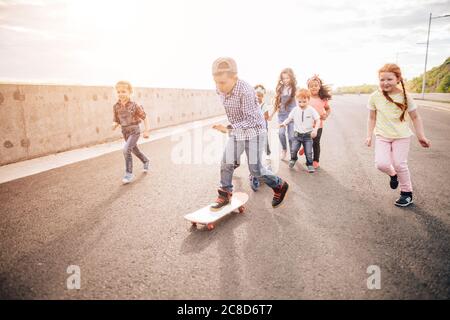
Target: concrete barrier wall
point(38, 120)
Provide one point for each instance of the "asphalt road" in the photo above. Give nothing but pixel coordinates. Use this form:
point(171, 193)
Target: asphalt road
point(131, 242)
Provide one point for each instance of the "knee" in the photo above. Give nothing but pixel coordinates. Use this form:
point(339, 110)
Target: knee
point(126, 151)
point(382, 166)
point(255, 170)
point(400, 166)
point(225, 166)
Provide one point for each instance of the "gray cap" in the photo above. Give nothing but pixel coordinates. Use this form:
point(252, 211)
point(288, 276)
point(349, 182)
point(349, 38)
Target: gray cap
point(224, 64)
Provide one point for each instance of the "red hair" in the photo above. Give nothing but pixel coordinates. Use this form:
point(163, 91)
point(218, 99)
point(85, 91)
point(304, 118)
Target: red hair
point(303, 93)
point(395, 69)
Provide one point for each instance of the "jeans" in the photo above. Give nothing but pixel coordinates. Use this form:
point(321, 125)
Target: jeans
point(131, 135)
point(254, 149)
point(306, 140)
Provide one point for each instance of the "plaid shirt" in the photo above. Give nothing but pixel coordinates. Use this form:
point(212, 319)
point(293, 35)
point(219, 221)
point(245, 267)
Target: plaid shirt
point(129, 114)
point(243, 111)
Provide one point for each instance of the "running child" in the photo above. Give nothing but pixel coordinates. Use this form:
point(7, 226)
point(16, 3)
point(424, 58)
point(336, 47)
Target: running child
point(306, 123)
point(389, 109)
point(128, 114)
point(320, 95)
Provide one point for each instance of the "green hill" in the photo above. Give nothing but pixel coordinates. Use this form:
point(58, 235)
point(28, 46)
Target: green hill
point(437, 80)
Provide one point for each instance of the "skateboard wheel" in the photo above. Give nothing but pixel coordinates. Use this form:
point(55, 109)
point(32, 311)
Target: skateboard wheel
point(241, 209)
point(210, 226)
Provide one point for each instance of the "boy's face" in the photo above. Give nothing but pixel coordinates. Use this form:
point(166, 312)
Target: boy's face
point(260, 96)
point(388, 81)
point(302, 102)
point(314, 87)
point(123, 92)
point(225, 82)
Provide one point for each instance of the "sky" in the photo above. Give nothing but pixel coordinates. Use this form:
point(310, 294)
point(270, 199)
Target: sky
point(172, 43)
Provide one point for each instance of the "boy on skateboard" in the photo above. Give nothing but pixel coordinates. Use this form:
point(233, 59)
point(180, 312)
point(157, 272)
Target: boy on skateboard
point(247, 130)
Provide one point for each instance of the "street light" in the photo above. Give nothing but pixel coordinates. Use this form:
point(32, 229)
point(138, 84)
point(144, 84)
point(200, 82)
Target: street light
point(426, 54)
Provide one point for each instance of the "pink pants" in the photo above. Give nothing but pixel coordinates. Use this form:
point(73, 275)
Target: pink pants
point(391, 157)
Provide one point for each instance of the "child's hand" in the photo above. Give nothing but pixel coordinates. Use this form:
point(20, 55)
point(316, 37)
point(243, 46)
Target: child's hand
point(424, 142)
point(314, 134)
point(282, 125)
point(146, 134)
point(324, 116)
point(220, 127)
point(369, 141)
point(114, 125)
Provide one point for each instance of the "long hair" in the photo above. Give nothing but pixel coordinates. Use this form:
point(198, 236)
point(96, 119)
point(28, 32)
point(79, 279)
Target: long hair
point(279, 89)
point(395, 69)
point(324, 91)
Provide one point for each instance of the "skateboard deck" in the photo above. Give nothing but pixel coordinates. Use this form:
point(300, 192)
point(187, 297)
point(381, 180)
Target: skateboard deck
point(206, 216)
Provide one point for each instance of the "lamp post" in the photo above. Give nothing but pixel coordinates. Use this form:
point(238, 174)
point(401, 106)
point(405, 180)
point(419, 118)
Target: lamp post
point(426, 54)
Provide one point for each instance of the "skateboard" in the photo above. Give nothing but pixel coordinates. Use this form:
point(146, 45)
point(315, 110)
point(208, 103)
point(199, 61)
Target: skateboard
point(206, 216)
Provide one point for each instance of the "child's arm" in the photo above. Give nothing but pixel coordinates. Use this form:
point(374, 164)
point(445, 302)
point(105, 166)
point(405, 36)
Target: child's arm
point(115, 123)
point(327, 112)
point(418, 126)
point(371, 121)
point(146, 128)
point(221, 128)
point(288, 119)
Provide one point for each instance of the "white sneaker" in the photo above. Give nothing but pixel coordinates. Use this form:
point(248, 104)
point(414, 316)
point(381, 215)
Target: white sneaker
point(127, 178)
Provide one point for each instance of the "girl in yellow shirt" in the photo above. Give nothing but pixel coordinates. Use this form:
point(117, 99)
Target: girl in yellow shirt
point(389, 108)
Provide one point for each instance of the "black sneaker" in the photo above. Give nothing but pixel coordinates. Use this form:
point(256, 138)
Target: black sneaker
point(279, 194)
point(222, 200)
point(292, 163)
point(394, 182)
point(404, 200)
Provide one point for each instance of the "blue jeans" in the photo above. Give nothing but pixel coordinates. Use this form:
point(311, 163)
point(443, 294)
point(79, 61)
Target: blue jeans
point(290, 134)
point(306, 140)
point(131, 135)
point(254, 149)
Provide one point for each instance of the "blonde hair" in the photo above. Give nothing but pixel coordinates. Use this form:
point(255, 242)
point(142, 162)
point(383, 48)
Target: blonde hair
point(124, 83)
point(303, 93)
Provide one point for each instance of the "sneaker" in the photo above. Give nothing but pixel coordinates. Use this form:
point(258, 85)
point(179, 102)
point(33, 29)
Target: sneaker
point(222, 200)
point(283, 155)
point(301, 151)
point(254, 183)
point(292, 163)
point(127, 178)
point(279, 193)
point(394, 182)
point(316, 164)
point(146, 165)
point(404, 200)
point(311, 169)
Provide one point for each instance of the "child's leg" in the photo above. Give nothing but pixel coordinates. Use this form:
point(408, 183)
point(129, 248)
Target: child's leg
point(400, 151)
point(231, 154)
point(254, 150)
point(383, 155)
point(308, 145)
point(290, 133)
point(282, 136)
point(127, 149)
point(296, 144)
point(140, 155)
point(316, 145)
